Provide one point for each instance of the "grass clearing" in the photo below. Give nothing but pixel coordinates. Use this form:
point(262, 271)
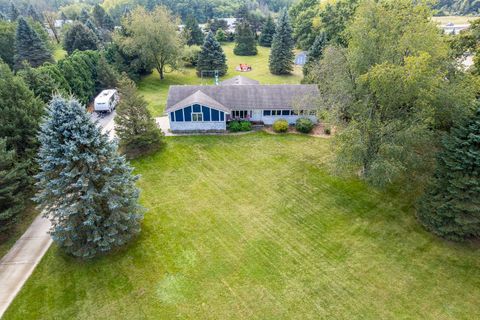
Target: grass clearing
point(454, 19)
point(254, 227)
point(155, 90)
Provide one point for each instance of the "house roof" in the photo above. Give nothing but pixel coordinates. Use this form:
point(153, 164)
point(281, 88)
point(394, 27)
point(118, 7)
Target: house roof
point(238, 80)
point(198, 97)
point(242, 97)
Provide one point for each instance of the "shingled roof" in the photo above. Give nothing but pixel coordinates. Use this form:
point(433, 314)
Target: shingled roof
point(199, 98)
point(245, 97)
point(238, 80)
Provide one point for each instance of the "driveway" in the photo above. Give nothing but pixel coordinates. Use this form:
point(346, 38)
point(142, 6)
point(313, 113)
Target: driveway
point(18, 264)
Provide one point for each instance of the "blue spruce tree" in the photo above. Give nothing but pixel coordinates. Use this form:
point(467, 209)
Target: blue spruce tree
point(85, 187)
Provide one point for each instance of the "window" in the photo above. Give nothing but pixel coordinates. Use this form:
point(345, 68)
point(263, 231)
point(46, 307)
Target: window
point(276, 112)
point(267, 112)
point(172, 116)
point(188, 113)
point(197, 116)
point(196, 108)
point(215, 115)
point(206, 113)
point(312, 113)
point(179, 115)
point(241, 114)
point(285, 112)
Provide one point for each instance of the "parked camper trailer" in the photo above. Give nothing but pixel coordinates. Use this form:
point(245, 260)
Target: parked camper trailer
point(106, 101)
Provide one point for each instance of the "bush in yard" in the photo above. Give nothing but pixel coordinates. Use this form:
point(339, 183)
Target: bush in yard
point(85, 187)
point(236, 126)
point(304, 125)
point(280, 126)
point(327, 131)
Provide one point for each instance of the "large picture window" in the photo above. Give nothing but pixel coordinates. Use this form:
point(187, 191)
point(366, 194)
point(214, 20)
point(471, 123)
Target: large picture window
point(197, 116)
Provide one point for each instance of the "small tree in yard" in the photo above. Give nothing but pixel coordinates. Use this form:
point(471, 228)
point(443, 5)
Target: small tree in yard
point(315, 52)
point(268, 31)
point(211, 57)
point(221, 36)
point(85, 187)
point(134, 125)
point(245, 43)
point(281, 56)
point(13, 182)
point(79, 37)
point(451, 206)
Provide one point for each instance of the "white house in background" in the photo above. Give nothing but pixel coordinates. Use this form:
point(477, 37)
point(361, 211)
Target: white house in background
point(106, 101)
point(451, 28)
point(209, 108)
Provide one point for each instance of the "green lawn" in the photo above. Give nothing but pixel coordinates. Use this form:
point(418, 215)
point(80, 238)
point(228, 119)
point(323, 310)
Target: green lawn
point(254, 227)
point(155, 90)
point(454, 19)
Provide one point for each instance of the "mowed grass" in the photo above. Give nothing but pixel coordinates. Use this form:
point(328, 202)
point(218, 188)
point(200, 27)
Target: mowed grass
point(155, 90)
point(454, 19)
point(254, 227)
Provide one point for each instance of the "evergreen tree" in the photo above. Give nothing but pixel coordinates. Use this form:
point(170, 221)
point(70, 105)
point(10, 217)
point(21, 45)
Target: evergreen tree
point(7, 39)
point(80, 71)
point(63, 17)
point(32, 13)
point(79, 37)
point(90, 25)
point(134, 125)
point(29, 46)
point(14, 13)
point(98, 14)
point(268, 31)
point(20, 114)
point(245, 43)
point(315, 52)
point(45, 81)
point(84, 16)
point(281, 55)
point(108, 23)
point(194, 34)
point(211, 57)
point(107, 76)
point(220, 36)
point(13, 182)
point(85, 187)
point(451, 206)
point(3, 16)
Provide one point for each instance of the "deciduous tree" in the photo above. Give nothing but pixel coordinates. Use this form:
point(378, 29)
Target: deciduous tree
point(153, 36)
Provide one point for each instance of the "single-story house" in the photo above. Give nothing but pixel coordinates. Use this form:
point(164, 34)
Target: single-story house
point(209, 108)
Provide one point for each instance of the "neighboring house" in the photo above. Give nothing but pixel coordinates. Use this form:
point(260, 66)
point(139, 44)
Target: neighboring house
point(301, 58)
point(209, 108)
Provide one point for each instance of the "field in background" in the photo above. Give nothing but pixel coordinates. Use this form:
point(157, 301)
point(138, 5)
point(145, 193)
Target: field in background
point(454, 19)
point(254, 227)
point(155, 90)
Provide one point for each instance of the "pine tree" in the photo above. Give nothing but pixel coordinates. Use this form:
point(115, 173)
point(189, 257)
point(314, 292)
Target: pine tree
point(194, 34)
point(84, 16)
point(211, 58)
point(32, 13)
point(245, 43)
point(79, 37)
point(20, 114)
point(281, 55)
point(134, 125)
point(108, 23)
point(107, 76)
point(3, 16)
point(268, 31)
point(315, 52)
point(85, 187)
point(98, 14)
point(7, 38)
point(220, 36)
point(90, 25)
point(29, 47)
point(13, 183)
point(451, 206)
point(14, 13)
point(63, 17)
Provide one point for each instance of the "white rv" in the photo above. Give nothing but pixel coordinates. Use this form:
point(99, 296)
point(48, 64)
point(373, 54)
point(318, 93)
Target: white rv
point(106, 101)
